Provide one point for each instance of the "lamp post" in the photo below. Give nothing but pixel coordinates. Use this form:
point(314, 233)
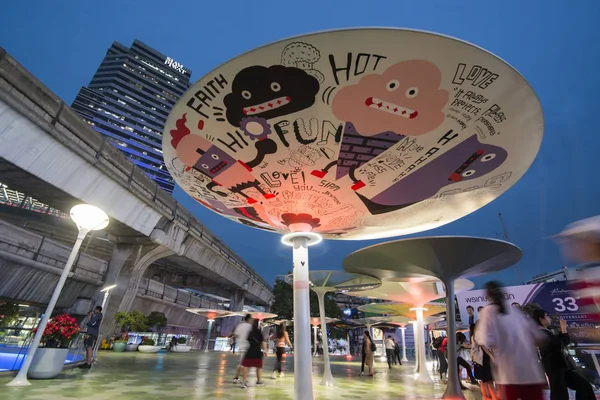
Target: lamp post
point(106, 290)
point(210, 324)
point(87, 218)
point(300, 239)
point(403, 329)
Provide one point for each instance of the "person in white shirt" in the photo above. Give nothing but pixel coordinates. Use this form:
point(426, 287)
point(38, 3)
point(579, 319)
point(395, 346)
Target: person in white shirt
point(513, 339)
point(389, 350)
point(241, 334)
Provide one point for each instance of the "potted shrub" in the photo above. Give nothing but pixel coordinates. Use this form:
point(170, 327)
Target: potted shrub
point(181, 346)
point(49, 358)
point(148, 346)
point(119, 345)
point(131, 347)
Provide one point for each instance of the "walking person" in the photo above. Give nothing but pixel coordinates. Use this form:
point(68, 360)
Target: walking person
point(463, 346)
point(91, 335)
point(514, 339)
point(440, 344)
point(368, 353)
point(242, 331)
point(397, 359)
point(257, 349)
point(482, 358)
point(281, 339)
point(389, 351)
point(232, 343)
point(557, 364)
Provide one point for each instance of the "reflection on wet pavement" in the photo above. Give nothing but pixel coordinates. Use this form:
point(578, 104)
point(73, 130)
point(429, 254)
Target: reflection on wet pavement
point(209, 376)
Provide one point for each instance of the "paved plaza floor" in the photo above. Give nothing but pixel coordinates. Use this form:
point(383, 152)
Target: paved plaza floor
point(196, 375)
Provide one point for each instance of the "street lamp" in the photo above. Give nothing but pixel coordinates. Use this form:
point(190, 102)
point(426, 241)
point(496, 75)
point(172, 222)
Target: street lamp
point(300, 239)
point(87, 218)
point(106, 290)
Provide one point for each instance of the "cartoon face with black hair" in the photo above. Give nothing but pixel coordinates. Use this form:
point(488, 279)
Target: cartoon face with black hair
point(261, 92)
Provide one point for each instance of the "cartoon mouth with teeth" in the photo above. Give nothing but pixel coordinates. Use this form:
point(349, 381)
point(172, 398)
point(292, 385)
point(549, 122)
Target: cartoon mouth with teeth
point(391, 108)
point(269, 92)
point(405, 99)
point(267, 106)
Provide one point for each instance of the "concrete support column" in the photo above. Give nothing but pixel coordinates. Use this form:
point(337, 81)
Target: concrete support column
point(122, 261)
point(127, 266)
point(236, 304)
point(153, 254)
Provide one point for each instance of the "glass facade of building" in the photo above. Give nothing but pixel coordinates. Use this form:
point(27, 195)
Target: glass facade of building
point(129, 100)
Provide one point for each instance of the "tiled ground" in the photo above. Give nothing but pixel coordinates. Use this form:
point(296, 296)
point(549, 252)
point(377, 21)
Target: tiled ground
point(124, 376)
point(207, 377)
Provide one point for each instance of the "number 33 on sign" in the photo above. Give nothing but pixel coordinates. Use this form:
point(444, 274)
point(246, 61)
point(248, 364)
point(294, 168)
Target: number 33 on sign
point(565, 304)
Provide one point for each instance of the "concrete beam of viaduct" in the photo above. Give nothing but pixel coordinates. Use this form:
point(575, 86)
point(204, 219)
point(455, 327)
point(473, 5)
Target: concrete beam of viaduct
point(37, 129)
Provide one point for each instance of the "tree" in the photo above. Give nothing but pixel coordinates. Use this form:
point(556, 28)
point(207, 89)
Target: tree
point(156, 320)
point(283, 302)
point(9, 314)
point(132, 321)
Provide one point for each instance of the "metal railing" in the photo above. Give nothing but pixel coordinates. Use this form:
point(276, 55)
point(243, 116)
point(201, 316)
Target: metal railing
point(35, 255)
point(181, 297)
point(15, 342)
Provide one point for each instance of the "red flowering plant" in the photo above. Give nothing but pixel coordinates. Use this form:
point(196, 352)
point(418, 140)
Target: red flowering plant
point(59, 331)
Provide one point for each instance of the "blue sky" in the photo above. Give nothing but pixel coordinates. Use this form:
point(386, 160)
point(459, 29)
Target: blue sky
point(553, 43)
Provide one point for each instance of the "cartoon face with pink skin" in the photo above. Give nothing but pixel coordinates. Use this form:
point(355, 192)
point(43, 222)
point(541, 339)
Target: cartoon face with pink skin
point(223, 170)
point(406, 99)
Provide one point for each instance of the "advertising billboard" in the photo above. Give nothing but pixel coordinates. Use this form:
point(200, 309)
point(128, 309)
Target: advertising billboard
point(559, 299)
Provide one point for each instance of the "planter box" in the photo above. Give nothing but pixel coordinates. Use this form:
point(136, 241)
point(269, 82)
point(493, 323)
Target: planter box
point(119, 347)
point(47, 363)
point(149, 349)
point(131, 347)
point(181, 348)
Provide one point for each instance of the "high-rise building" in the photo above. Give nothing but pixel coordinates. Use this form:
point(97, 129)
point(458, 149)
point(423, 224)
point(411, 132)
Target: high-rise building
point(129, 100)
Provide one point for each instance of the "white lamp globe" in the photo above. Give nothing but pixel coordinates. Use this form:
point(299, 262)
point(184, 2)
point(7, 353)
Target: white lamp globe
point(89, 217)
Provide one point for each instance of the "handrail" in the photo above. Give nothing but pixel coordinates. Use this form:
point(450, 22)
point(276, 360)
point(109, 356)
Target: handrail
point(76, 267)
point(587, 346)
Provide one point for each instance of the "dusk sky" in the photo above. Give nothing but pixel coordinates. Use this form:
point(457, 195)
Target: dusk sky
point(552, 43)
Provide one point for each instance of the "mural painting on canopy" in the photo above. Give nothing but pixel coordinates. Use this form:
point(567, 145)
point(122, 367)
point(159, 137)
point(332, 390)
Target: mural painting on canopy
point(357, 137)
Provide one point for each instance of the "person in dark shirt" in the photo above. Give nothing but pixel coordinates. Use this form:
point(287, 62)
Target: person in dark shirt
point(91, 335)
point(558, 368)
point(253, 358)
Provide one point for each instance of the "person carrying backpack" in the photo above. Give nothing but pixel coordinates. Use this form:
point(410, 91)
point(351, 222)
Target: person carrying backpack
point(368, 353)
point(439, 344)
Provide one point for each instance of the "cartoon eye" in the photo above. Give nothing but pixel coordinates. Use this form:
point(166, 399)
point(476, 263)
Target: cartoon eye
point(276, 87)
point(214, 156)
point(468, 173)
point(392, 85)
point(488, 157)
point(412, 92)
point(246, 94)
point(204, 166)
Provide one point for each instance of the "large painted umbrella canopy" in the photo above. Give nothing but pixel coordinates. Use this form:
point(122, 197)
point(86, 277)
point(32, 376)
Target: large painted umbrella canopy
point(442, 257)
point(338, 281)
point(354, 134)
point(402, 309)
point(416, 293)
point(212, 313)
